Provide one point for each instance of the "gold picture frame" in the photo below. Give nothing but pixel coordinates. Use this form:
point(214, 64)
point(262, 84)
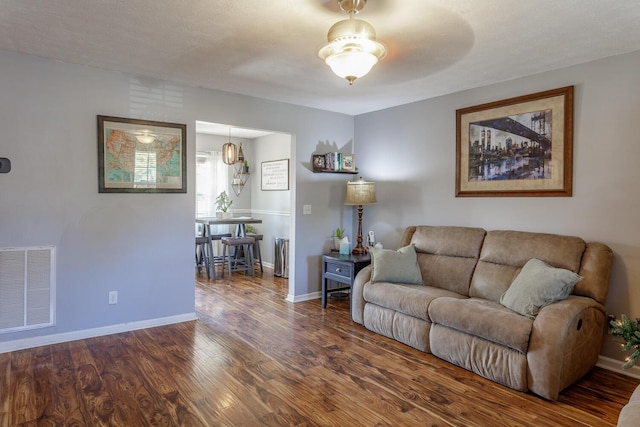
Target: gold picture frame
point(520, 146)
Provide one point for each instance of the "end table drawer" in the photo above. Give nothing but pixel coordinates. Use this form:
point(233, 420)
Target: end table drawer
point(340, 269)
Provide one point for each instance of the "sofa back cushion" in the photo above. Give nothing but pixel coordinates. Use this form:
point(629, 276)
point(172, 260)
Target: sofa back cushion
point(504, 253)
point(447, 256)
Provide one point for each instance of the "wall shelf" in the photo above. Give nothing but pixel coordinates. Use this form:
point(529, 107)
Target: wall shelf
point(239, 180)
point(340, 172)
point(334, 163)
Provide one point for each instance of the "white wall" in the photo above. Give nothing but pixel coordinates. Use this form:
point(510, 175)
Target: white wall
point(272, 207)
point(138, 244)
point(410, 153)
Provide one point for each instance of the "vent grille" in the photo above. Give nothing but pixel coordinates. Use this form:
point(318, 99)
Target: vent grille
point(27, 288)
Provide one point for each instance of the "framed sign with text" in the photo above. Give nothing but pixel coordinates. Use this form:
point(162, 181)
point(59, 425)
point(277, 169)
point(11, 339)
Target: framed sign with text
point(275, 175)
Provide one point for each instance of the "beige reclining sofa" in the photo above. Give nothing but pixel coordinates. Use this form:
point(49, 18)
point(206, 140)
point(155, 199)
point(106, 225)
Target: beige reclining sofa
point(454, 310)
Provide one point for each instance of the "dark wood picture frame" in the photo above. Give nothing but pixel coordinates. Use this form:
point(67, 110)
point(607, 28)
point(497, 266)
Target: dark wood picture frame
point(319, 163)
point(141, 156)
point(520, 146)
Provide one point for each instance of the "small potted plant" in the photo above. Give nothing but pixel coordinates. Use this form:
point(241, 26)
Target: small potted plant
point(629, 330)
point(338, 234)
point(223, 202)
point(245, 167)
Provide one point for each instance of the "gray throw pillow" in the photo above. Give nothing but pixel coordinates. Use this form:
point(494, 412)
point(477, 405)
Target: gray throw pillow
point(399, 266)
point(538, 285)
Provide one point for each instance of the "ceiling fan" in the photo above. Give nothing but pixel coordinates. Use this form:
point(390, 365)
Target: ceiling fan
point(352, 49)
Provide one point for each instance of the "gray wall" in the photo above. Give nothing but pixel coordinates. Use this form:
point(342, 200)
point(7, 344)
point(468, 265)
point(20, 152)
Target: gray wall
point(138, 244)
point(410, 153)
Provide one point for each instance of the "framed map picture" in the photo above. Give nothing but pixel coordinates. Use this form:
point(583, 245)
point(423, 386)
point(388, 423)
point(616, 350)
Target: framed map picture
point(141, 156)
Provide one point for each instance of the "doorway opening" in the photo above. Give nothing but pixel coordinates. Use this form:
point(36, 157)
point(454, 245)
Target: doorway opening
point(242, 182)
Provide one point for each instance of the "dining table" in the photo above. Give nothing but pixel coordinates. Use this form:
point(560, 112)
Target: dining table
point(239, 221)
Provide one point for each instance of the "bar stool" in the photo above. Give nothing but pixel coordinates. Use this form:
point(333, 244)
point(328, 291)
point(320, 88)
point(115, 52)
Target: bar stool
point(216, 259)
point(203, 254)
point(233, 260)
point(256, 249)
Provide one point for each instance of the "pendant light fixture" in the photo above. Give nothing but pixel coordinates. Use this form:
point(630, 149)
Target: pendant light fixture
point(352, 49)
point(229, 151)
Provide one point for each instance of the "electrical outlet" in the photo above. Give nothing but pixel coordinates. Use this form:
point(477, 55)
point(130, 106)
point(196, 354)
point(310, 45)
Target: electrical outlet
point(113, 297)
point(306, 209)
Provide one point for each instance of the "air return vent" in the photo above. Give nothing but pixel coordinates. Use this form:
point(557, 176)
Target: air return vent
point(27, 288)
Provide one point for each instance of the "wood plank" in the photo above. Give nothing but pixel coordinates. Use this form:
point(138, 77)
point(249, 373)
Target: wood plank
point(22, 394)
point(5, 388)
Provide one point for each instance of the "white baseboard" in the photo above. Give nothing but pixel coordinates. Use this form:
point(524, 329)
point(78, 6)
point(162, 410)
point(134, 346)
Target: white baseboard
point(306, 297)
point(615, 365)
point(25, 343)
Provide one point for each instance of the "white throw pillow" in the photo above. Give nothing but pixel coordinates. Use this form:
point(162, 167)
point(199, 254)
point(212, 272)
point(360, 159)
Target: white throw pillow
point(537, 285)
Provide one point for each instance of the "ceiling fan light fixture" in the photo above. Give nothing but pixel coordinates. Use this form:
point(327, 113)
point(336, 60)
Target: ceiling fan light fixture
point(352, 49)
point(351, 64)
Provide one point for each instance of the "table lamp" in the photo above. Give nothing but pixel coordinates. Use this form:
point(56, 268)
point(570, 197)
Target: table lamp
point(360, 193)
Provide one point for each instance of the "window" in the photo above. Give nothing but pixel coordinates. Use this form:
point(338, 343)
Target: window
point(211, 180)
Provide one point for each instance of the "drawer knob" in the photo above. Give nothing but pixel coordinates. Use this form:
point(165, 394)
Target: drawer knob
point(338, 270)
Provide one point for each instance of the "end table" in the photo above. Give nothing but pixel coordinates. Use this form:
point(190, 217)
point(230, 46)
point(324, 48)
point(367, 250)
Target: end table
point(341, 269)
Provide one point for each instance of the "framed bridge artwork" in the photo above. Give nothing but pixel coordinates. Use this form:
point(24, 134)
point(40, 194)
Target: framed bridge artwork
point(516, 147)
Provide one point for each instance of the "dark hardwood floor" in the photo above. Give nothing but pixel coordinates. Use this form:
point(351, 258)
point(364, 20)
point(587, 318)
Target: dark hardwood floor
point(254, 359)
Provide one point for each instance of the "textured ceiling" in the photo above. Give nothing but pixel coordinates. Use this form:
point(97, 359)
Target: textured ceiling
point(269, 48)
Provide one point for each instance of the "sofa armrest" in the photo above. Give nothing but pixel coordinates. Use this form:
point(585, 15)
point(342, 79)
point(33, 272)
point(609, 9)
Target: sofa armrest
point(565, 344)
point(357, 298)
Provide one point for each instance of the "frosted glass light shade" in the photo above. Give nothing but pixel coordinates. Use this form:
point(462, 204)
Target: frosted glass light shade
point(351, 65)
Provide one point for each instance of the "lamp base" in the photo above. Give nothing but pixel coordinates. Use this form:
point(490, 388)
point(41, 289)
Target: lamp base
point(359, 250)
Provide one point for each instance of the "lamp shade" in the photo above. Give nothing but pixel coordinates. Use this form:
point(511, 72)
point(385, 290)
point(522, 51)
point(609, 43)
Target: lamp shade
point(229, 153)
point(360, 193)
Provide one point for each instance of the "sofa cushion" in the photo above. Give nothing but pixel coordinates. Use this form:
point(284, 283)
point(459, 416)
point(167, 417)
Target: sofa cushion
point(537, 285)
point(408, 299)
point(484, 319)
point(504, 253)
point(399, 266)
point(447, 256)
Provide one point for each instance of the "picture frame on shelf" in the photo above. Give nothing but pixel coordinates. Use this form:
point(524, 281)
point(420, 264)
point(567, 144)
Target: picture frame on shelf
point(349, 162)
point(520, 146)
point(141, 156)
point(319, 162)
